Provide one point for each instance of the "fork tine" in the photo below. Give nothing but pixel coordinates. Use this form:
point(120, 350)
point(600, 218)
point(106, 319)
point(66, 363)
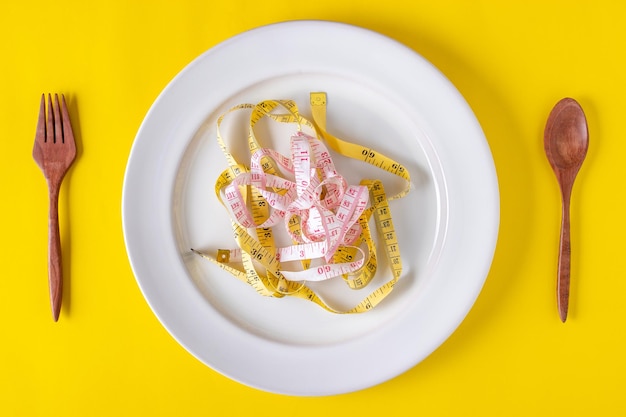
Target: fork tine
point(58, 128)
point(50, 122)
point(68, 134)
point(40, 135)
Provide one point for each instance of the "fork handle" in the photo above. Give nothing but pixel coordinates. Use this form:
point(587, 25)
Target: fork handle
point(55, 270)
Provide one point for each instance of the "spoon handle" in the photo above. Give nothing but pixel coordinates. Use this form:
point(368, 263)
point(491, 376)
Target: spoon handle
point(565, 253)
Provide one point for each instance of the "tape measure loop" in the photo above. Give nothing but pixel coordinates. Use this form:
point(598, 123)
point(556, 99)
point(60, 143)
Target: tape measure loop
point(325, 218)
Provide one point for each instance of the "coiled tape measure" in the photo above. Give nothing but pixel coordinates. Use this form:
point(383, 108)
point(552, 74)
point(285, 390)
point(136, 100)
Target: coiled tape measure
point(303, 196)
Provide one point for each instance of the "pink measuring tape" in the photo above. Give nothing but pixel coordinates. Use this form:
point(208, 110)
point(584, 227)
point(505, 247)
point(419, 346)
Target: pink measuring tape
point(303, 197)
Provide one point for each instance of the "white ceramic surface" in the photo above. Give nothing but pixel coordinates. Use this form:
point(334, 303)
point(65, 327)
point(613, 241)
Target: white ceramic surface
point(379, 93)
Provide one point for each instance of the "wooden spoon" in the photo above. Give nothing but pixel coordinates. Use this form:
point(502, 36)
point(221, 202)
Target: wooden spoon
point(566, 140)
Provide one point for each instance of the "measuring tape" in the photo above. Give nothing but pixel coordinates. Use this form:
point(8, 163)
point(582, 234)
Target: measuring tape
point(325, 218)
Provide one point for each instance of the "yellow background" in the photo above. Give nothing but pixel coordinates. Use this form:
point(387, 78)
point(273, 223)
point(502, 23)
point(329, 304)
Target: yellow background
point(512, 60)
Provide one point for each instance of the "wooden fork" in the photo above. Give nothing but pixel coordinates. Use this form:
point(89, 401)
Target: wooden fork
point(54, 151)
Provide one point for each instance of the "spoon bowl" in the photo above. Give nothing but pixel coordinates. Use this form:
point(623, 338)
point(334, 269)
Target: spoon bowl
point(566, 140)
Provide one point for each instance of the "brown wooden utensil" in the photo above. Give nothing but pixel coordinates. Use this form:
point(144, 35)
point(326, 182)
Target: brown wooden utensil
point(54, 151)
point(566, 139)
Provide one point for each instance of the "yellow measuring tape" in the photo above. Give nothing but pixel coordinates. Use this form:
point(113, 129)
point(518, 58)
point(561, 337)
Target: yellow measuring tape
point(326, 218)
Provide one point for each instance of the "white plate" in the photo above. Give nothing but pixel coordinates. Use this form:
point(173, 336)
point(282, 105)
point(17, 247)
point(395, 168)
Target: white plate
point(379, 93)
